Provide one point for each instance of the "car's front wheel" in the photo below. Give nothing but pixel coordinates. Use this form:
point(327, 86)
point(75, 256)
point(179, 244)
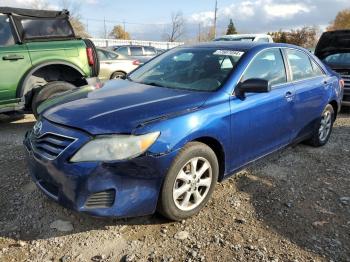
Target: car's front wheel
point(189, 183)
point(324, 127)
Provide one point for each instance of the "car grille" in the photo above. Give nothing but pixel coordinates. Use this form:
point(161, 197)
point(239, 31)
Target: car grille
point(347, 80)
point(102, 199)
point(50, 145)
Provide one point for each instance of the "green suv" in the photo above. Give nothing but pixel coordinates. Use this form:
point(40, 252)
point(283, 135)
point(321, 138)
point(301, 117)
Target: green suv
point(41, 57)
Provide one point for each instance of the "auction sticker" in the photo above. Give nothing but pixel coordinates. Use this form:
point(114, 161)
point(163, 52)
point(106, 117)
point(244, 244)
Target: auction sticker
point(228, 53)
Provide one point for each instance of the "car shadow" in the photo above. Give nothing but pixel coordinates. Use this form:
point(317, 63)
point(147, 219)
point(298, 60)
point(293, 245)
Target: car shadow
point(298, 193)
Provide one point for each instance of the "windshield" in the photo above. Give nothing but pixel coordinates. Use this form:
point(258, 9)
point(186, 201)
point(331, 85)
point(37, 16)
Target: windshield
point(338, 59)
point(202, 69)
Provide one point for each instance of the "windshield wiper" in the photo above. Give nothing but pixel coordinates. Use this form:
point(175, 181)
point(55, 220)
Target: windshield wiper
point(153, 84)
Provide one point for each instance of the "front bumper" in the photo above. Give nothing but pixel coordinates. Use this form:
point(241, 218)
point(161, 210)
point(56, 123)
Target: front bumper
point(119, 189)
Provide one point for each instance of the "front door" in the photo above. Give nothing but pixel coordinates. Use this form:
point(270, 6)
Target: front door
point(263, 122)
point(14, 62)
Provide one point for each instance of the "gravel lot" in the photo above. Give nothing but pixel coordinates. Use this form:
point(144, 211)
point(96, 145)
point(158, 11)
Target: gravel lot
point(291, 206)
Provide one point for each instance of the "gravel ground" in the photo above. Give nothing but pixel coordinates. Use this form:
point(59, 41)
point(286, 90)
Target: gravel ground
point(291, 206)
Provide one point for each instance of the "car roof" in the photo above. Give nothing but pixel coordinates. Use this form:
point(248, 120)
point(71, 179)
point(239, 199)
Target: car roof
point(237, 46)
point(34, 12)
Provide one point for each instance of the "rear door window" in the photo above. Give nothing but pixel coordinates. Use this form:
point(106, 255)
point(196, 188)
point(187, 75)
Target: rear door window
point(46, 28)
point(6, 37)
point(136, 51)
point(300, 64)
point(267, 65)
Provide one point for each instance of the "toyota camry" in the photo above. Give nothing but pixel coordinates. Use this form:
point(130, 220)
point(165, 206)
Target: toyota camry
point(162, 138)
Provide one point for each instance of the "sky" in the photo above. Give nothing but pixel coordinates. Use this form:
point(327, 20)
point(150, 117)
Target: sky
point(149, 20)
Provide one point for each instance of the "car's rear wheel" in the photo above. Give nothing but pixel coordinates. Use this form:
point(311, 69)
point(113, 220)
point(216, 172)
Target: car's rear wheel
point(324, 128)
point(49, 90)
point(189, 183)
point(118, 75)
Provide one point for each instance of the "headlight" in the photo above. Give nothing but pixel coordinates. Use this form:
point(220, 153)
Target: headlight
point(115, 147)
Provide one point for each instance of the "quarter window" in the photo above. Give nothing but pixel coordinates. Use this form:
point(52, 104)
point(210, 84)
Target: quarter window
point(267, 65)
point(317, 70)
point(300, 65)
point(6, 37)
point(136, 51)
point(149, 50)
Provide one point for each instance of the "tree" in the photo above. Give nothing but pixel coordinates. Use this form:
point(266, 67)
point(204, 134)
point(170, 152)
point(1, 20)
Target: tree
point(305, 37)
point(231, 29)
point(177, 27)
point(75, 18)
point(79, 28)
point(279, 37)
point(341, 21)
point(119, 33)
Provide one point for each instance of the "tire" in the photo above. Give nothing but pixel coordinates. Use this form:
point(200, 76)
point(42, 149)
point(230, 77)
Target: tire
point(324, 127)
point(176, 205)
point(96, 67)
point(48, 91)
point(118, 75)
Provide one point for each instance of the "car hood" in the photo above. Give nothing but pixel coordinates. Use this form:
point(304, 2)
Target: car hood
point(120, 106)
point(333, 42)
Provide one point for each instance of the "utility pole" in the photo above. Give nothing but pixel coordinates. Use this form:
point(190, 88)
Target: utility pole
point(124, 28)
point(215, 16)
point(199, 32)
point(104, 26)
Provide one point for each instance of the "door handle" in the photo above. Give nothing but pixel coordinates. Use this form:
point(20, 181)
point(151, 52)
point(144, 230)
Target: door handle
point(13, 57)
point(288, 94)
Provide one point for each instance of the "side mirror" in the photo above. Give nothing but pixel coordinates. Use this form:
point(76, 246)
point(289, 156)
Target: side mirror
point(252, 86)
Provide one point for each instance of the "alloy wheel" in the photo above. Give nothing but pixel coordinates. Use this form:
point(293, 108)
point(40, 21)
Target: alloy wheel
point(192, 184)
point(325, 126)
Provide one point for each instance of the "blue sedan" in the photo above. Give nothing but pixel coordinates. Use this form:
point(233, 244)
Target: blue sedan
point(162, 138)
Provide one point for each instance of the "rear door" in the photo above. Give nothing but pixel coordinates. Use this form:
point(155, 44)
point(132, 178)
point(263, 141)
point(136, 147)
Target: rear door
point(14, 62)
point(311, 87)
point(262, 122)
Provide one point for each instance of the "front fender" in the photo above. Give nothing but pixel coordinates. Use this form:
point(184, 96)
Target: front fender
point(212, 120)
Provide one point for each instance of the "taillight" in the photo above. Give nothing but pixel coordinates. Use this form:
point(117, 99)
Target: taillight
point(342, 83)
point(90, 56)
point(136, 62)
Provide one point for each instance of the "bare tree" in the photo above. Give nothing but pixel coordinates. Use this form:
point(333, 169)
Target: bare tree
point(341, 21)
point(177, 27)
point(75, 18)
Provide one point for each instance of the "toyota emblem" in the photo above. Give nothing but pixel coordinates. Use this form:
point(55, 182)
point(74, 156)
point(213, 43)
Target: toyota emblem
point(37, 128)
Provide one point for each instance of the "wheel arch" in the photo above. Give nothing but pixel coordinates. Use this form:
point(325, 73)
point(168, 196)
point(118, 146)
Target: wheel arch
point(219, 151)
point(335, 106)
point(24, 85)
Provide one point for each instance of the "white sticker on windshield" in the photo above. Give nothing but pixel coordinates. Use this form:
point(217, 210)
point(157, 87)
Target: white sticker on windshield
point(229, 53)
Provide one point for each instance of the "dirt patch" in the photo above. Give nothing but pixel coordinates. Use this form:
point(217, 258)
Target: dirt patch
point(291, 206)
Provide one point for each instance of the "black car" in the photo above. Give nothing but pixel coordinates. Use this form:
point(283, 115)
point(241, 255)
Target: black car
point(333, 49)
